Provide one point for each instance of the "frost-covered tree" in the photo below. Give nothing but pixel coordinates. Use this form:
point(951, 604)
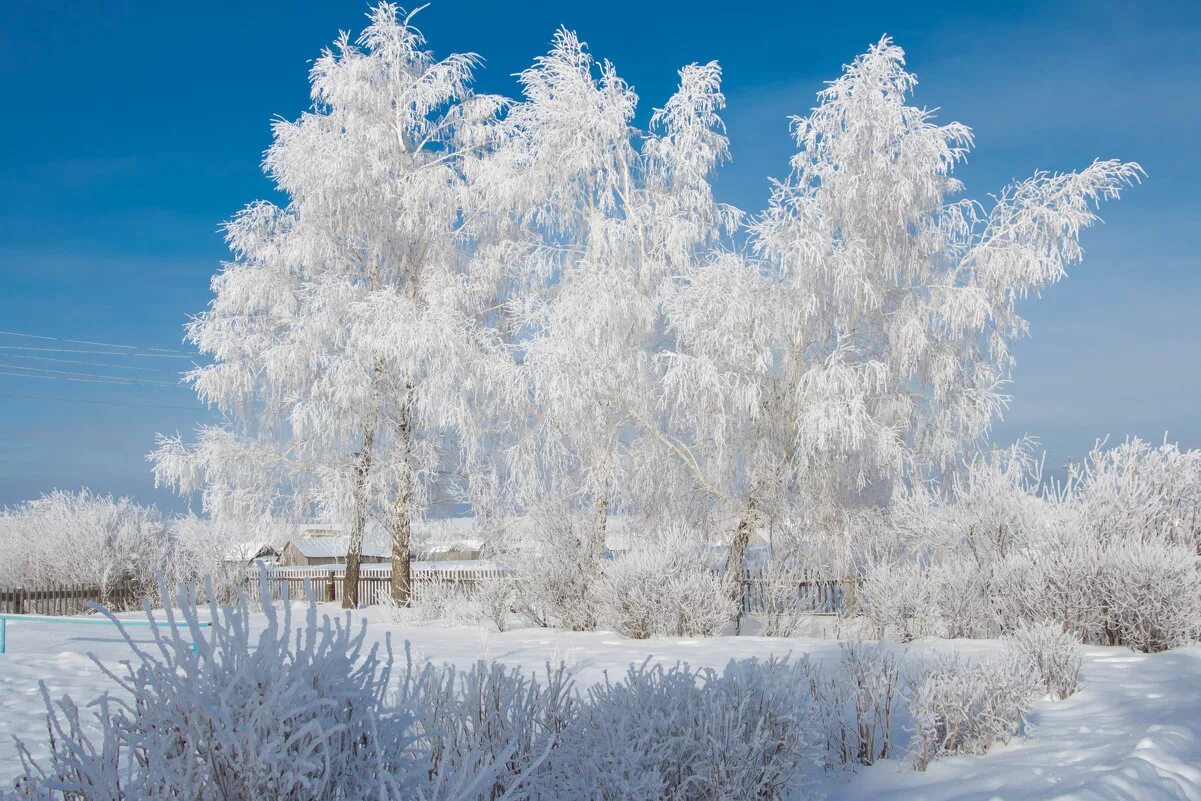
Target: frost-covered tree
point(865, 339)
point(348, 349)
point(603, 216)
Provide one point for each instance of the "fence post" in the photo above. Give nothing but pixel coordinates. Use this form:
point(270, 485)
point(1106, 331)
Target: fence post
point(330, 588)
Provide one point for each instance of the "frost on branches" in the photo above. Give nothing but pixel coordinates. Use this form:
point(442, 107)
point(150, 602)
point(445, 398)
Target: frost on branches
point(1110, 558)
point(536, 311)
point(865, 344)
point(349, 333)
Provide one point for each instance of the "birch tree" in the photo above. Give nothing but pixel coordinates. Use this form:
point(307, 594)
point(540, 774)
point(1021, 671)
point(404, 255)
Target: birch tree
point(347, 349)
point(864, 338)
point(605, 215)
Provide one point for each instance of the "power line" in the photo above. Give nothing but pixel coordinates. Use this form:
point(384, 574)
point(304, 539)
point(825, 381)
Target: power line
point(94, 342)
point(86, 363)
point(91, 375)
point(63, 378)
point(99, 352)
point(99, 402)
point(29, 336)
point(84, 377)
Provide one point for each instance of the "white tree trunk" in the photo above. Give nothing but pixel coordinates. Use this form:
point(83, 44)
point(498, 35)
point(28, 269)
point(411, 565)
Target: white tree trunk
point(600, 524)
point(402, 510)
point(736, 560)
point(600, 512)
point(358, 522)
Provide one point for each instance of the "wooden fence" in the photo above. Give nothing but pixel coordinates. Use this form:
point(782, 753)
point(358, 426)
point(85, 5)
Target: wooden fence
point(327, 582)
point(763, 590)
point(65, 599)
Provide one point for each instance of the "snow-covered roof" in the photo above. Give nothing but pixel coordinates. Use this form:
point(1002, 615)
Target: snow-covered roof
point(324, 547)
point(245, 551)
point(454, 545)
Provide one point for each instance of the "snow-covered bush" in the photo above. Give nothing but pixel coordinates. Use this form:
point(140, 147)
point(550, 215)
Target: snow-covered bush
point(1016, 592)
point(490, 720)
point(663, 734)
point(785, 607)
point(555, 578)
point(287, 714)
point(962, 707)
point(893, 597)
point(663, 588)
point(1051, 655)
point(83, 538)
point(1151, 595)
point(1144, 594)
point(243, 717)
point(1138, 491)
point(435, 600)
point(494, 599)
point(985, 510)
point(856, 704)
point(1067, 575)
point(957, 600)
point(216, 550)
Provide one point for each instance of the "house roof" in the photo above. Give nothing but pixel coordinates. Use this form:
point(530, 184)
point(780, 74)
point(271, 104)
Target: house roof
point(325, 547)
point(246, 551)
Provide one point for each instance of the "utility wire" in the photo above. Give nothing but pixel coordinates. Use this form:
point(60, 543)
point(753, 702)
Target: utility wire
point(100, 352)
point(37, 372)
point(93, 342)
point(158, 370)
point(99, 402)
point(82, 381)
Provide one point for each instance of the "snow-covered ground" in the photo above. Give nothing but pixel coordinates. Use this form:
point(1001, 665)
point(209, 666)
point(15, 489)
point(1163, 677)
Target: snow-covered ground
point(1133, 732)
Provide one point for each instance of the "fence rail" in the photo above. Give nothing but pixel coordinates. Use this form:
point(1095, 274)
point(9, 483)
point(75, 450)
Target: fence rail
point(327, 582)
point(65, 599)
point(763, 590)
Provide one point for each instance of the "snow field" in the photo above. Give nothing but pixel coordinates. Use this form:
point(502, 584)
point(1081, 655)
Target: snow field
point(1132, 732)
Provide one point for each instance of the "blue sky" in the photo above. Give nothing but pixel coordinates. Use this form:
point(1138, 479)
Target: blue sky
point(132, 129)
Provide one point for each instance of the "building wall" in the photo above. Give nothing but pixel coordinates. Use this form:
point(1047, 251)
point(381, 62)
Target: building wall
point(292, 557)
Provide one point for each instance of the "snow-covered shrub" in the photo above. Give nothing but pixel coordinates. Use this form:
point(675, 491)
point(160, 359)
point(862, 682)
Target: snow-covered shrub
point(1017, 592)
point(494, 599)
point(216, 551)
point(893, 597)
point(1144, 594)
point(855, 705)
point(1051, 655)
point(982, 512)
point(291, 714)
point(435, 600)
point(962, 707)
point(1068, 575)
point(1151, 595)
point(1138, 491)
point(664, 589)
point(957, 600)
point(785, 607)
point(243, 717)
point(556, 576)
point(664, 734)
point(490, 720)
point(83, 538)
